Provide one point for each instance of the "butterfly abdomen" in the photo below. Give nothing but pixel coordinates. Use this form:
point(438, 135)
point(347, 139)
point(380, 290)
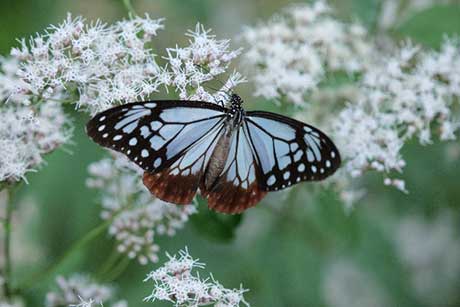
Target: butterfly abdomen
point(218, 157)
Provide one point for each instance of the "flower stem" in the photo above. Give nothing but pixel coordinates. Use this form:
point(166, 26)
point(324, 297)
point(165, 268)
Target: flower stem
point(129, 7)
point(7, 243)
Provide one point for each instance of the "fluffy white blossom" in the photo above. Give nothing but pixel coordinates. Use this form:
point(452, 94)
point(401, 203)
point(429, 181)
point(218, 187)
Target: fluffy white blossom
point(397, 93)
point(189, 68)
point(137, 216)
point(413, 93)
point(291, 54)
point(96, 64)
point(346, 285)
point(80, 290)
point(176, 282)
point(27, 131)
point(430, 250)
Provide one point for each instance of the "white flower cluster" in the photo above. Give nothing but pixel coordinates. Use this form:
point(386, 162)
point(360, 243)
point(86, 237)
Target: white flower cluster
point(402, 91)
point(174, 282)
point(189, 68)
point(346, 285)
point(411, 93)
point(27, 132)
point(290, 55)
point(430, 251)
point(97, 65)
point(79, 290)
point(137, 216)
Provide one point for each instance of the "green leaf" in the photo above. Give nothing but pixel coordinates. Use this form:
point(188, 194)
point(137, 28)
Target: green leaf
point(367, 11)
point(428, 27)
point(215, 226)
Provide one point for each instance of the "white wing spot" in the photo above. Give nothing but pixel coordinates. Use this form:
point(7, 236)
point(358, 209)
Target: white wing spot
point(101, 128)
point(102, 118)
point(129, 151)
point(301, 167)
point(105, 135)
point(150, 105)
point(117, 137)
point(332, 154)
point(286, 175)
point(328, 163)
point(271, 180)
point(298, 179)
point(321, 170)
point(313, 169)
point(133, 142)
point(144, 153)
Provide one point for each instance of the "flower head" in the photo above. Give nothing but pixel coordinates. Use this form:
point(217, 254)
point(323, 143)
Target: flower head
point(80, 290)
point(137, 217)
point(175, 282)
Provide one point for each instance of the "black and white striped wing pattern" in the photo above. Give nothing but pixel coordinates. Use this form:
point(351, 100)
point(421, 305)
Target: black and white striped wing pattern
point(171, 140)
point(238, 186)
point(289, 151)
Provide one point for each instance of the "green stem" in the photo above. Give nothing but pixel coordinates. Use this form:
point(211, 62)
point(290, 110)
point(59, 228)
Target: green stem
point(117, 270)
point(7, 244)
point(129, 7)
point(39, 277)
point(109, 264)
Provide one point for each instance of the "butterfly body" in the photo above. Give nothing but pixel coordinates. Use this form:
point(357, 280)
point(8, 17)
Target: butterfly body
point(232, 156)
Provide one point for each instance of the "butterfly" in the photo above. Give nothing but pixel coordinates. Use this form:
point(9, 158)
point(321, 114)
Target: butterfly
point(232, 156)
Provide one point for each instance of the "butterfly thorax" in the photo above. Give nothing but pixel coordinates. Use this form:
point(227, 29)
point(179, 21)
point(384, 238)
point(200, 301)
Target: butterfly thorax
point(234, 119)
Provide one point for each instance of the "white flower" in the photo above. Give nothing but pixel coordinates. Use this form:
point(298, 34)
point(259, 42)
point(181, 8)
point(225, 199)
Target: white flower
point(96, 64)
point(176, 283)
point(27, 131)
point(403, 96)
point(191, 67)
point(290, 55)
point(138, 216)
point(81, 291)
point(430, 251)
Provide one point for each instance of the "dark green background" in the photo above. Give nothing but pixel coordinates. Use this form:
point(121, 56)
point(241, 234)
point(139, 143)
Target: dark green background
point(282, 247)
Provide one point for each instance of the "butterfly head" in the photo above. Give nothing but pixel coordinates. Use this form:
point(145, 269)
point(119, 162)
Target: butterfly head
point(236, 101)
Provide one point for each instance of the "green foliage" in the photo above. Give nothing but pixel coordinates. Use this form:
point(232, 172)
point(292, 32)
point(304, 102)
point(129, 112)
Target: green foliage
point(431, 25)
point(215, 226)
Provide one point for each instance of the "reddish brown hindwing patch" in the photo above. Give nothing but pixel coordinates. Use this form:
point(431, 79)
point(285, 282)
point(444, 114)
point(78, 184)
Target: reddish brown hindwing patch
point(178, 190)
point(228, 198)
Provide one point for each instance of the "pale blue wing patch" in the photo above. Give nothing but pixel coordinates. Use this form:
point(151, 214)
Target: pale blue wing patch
point(289, 151)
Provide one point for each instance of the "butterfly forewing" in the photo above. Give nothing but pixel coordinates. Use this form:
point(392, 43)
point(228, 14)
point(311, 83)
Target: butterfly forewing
point(155, 134)
point(289, 151)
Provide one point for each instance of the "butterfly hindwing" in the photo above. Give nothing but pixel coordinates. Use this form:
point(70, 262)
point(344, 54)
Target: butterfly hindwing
point(179, 182)
point(289, 151)
point(237, 188)
point(155, 134)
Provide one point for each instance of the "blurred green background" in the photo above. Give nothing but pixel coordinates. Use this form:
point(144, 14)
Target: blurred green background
point(283, 250)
